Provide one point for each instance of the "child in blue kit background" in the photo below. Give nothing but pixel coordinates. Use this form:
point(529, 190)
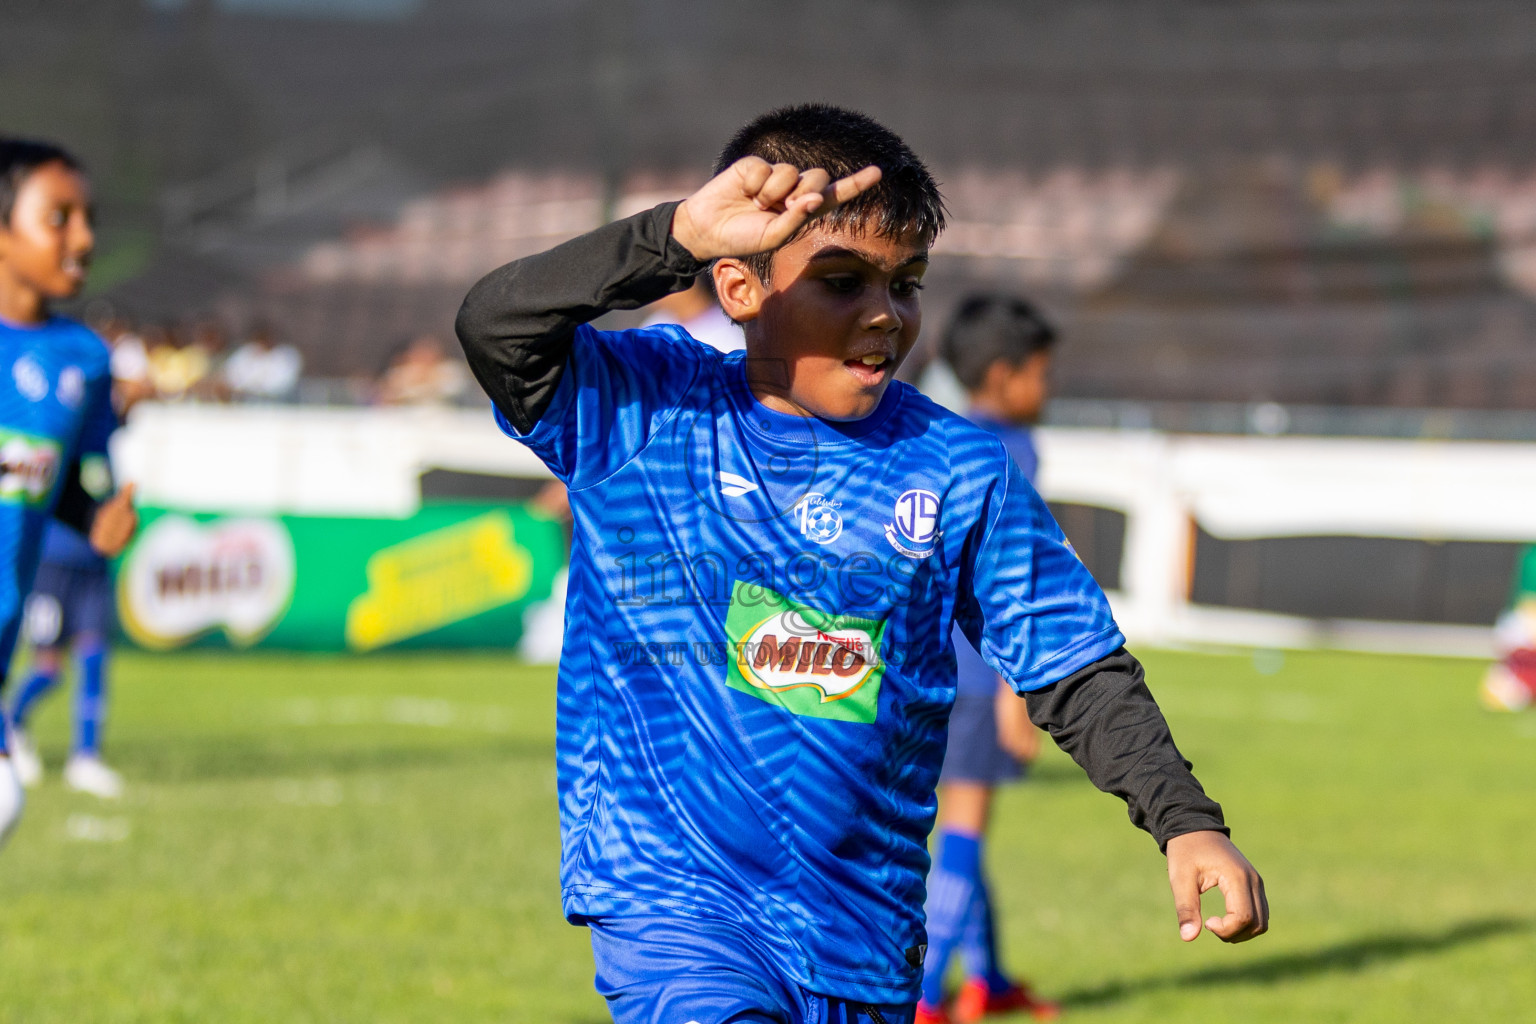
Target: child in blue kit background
point(769, 551)
point(55, 393)
point(68, 613)
point(999, 348)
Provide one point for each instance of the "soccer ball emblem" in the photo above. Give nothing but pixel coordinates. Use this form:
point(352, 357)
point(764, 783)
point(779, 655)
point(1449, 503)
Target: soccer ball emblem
point(819, 518)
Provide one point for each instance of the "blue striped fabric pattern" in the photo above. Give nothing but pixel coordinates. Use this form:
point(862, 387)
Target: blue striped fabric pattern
point(757, 669)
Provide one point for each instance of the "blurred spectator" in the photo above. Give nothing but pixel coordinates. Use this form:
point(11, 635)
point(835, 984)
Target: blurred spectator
point(211, 340)
point(696, 311)
point(174, 365)
point(422, 374)
point(130, 364)
point(261, 369)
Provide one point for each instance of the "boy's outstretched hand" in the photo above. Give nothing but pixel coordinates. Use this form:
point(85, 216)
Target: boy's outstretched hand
point(115, 524)
point(753, 206)
point(1200, 861)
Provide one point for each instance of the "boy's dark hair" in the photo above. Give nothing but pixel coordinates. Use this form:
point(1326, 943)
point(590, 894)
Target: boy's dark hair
point(841, 142)
point(18, 159)
point(987, 328)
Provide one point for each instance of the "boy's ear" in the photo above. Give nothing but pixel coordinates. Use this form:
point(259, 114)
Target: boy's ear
point(738, 289)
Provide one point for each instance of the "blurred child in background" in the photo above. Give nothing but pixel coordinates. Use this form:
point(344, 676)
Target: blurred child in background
point(1000, 350)
point(697, 311)
point(55, 394)
point(70, 611)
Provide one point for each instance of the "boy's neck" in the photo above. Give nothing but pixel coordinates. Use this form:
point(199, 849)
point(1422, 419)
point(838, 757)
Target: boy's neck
point(775, 400)
point(19, 304)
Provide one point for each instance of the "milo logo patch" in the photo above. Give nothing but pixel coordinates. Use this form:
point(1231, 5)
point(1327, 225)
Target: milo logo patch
point(808, 661)
point(28, 467)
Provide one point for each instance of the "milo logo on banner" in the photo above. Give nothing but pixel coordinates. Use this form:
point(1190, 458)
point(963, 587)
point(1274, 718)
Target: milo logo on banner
point(183, 578)
point(808, 661)
point(28, 467)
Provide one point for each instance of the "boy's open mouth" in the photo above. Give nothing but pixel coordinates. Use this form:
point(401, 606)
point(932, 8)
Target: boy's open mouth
point(74, 267)
point(870, 369)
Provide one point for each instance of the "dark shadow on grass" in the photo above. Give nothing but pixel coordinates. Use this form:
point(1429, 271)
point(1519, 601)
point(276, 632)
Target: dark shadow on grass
point(202, 760)
point(1341, 958)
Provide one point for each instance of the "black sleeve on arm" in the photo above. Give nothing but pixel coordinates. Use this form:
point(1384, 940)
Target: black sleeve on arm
point(76, 508)
point(518, 322)
point(1106, 719)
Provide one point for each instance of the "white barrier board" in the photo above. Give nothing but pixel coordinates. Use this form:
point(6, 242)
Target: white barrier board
point(368, 462)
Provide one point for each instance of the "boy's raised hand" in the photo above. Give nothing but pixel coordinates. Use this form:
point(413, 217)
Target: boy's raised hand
point(115, 524)
point(1201, 861)
point(753, 206)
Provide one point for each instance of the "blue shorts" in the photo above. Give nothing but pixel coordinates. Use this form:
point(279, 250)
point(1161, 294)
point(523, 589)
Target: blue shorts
point(66, 601)
point(666, 970)
point(973, 753)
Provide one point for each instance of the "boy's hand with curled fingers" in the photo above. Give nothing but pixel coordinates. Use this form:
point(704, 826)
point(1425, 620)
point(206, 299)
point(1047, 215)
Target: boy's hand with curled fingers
point(1201, 861)
point(753, 206)
point(115, 524)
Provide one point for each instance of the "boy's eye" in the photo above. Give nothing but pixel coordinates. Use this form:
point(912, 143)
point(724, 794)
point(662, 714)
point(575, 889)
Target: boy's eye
point(57, 218)
point(907, 288)
point(843, 284)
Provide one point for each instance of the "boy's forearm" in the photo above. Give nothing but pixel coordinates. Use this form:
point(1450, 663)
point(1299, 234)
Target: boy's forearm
point(1107, 720)
point(76, 507)
point(518, 322)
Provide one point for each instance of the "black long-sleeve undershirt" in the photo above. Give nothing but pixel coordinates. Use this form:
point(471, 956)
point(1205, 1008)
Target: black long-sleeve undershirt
point(1107, 720)
point(518, 322)
point(76, 507)
point(517, 326)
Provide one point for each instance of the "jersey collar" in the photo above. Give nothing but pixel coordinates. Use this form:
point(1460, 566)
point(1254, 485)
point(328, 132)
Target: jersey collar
point(783, 428)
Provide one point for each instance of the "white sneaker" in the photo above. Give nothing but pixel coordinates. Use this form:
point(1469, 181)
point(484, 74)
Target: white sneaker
point(12, 799)
point(85, 773)
point(25, 759)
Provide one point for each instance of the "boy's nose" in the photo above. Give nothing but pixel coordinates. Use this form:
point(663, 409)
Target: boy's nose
point(882, 316)
point(82, 235)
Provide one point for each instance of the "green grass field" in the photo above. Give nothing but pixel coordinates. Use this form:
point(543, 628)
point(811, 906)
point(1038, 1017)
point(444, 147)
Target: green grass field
point(374, 840)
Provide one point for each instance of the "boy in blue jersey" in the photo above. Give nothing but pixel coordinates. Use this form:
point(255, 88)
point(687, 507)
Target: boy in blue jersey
point(769, 551)
point(999, 348)
point(55, 391)
point(69, 612)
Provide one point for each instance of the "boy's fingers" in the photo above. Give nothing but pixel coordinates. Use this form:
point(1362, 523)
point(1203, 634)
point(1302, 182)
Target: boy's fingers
point(752, 171)
point(813, 181)
point(1198, 861)
point(1186, 903)
point(126, 494)
point(1261, 907)
point(784, 226)
point(852, 186)
point(781, 182)
point(1242, 919)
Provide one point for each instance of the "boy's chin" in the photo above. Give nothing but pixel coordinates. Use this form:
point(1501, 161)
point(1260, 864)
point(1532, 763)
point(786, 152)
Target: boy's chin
point(63, 289)
point(845, 408)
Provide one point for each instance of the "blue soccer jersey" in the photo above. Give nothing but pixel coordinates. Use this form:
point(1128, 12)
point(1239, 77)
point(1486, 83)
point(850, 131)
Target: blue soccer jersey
point(757, 670)
point(973, 675)
point(55, 408)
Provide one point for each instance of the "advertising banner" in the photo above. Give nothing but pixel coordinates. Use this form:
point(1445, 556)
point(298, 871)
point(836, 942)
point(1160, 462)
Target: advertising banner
point(452, 575)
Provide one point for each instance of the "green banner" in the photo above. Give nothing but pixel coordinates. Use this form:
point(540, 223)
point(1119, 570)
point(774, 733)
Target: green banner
point(1525, 575)
point(452, 575)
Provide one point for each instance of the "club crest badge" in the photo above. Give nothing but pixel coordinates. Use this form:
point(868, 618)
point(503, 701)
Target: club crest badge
point(914, 526)
point(818, 518)
point(31, 381)
point(71, 388)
